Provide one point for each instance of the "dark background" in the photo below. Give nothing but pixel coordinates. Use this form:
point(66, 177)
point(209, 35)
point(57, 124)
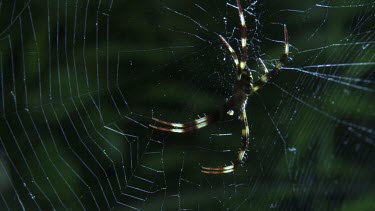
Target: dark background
point(81, 80)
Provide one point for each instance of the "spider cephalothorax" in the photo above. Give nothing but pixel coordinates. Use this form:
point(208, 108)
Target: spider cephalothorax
point(236, 104)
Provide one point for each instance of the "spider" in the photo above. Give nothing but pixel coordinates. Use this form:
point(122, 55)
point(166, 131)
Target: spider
point(243, 88)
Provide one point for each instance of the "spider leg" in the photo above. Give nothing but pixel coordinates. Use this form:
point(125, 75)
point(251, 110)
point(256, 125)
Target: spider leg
point(180, 130)
point(189, 126)
point(263, 66)
point(243, 38)
point(182, 125)
point(281, 62)
point(232, 52)
point(241, 154)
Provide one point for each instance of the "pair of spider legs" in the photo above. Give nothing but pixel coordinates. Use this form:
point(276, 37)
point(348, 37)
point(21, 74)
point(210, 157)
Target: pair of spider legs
point(243, 88)
point(202, 122)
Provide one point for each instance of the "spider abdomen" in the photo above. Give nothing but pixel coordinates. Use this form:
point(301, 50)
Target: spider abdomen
point(237, 102)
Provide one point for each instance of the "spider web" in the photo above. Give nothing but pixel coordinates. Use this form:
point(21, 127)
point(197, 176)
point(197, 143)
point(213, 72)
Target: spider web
point(81, 80)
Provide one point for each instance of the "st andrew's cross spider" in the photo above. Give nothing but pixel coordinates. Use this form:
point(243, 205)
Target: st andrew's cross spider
point(236, 104)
